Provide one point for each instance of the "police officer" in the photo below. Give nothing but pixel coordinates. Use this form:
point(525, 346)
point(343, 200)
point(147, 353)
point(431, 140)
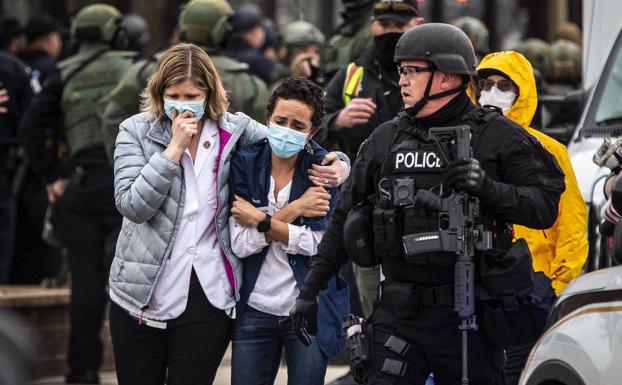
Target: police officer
point(34, 259)
point(299, 51)
point(247, 41)
point(85, 218)
point(207, 24)
point(15, 93)
point(43, 46)
point(415, 329)
point(10, 31)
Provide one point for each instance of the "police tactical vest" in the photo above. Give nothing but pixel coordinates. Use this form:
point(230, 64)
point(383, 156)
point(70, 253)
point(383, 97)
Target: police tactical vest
point(83, 89)
point(411, 164)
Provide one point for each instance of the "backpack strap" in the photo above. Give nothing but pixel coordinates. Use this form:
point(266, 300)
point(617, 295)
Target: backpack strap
point(352, 83)
point(83, 64)
point(478, 120)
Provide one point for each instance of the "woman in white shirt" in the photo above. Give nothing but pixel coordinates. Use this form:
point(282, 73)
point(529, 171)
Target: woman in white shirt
point(174, 280)
point(277, 220)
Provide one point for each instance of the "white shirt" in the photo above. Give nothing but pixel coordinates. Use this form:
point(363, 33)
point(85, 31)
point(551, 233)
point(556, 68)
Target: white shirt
point(275, 291)
point(196, 244)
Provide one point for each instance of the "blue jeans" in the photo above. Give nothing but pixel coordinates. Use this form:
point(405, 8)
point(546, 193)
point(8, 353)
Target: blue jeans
point(258, 340)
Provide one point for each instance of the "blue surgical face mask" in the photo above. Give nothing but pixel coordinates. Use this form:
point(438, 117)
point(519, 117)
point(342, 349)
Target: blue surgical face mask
point(284, 141)
point(194, 106)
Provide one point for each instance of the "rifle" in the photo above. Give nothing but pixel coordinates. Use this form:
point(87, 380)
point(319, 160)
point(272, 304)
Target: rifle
point(460, 232)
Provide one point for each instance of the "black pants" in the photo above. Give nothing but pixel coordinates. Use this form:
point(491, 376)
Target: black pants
point(189, 349)
point(86, 222)
point(34, 259)
point(435, 347)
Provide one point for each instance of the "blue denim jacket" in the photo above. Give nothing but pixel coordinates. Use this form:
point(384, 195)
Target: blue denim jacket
point(250, 179)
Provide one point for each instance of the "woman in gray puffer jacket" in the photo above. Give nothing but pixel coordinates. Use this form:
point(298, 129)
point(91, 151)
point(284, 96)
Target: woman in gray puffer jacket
point(174, 280)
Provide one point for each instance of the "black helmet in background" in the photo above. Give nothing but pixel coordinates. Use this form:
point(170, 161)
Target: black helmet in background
point(137, 31)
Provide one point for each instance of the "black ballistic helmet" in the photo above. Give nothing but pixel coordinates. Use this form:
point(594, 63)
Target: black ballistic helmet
point(447, 47)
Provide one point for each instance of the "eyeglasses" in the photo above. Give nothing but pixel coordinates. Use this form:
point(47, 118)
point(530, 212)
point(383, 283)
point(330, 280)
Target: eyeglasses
point(395, 6)
point(503, 85)
point(412, 71)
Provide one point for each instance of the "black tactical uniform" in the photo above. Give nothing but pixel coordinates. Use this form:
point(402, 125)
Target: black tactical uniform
point(415, 328)
point(15, 78)
point(34, 259)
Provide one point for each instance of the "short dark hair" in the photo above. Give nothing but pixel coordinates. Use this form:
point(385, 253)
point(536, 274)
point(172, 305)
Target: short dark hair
point(9, 29)
point(303, 89)
point(40, 26)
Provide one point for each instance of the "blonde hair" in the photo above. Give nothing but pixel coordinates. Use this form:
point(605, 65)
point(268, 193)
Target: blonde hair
point(179, 63)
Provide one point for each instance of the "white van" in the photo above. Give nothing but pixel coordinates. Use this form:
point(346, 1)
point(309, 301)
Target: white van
point(602, 114)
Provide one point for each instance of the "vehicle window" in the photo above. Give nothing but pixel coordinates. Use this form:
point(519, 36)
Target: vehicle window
point(610, 105)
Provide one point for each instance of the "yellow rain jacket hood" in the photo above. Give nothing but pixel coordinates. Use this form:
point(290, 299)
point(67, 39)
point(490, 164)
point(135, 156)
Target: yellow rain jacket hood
point(561, 250)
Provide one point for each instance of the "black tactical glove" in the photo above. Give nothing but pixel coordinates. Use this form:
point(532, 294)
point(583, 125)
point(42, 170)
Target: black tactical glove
point(466, 175)
point(304, 316)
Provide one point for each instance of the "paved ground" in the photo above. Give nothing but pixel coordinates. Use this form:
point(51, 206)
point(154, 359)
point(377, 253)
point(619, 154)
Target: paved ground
point(223, 377)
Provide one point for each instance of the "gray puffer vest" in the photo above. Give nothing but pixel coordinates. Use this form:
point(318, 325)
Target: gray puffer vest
point(150, 193)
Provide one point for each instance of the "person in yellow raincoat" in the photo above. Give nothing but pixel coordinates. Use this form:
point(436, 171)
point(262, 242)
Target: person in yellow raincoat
point(506, 80)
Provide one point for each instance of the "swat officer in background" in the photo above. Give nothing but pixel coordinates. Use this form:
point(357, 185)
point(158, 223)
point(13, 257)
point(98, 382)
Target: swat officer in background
point(300, 43)
point(15, 94)
point(415, 329)
point(85, 218)
point(205, 23)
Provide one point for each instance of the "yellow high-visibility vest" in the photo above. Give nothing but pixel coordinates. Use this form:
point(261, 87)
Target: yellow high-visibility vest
point(352, 83)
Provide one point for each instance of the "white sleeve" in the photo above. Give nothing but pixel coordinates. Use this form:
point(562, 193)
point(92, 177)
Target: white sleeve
point(303, 240)
point(245, 240)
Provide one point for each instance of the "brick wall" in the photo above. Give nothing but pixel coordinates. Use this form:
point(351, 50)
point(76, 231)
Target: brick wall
point(47, 312)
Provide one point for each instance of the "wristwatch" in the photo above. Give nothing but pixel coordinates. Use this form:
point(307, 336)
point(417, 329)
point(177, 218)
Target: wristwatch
point(265, 224)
